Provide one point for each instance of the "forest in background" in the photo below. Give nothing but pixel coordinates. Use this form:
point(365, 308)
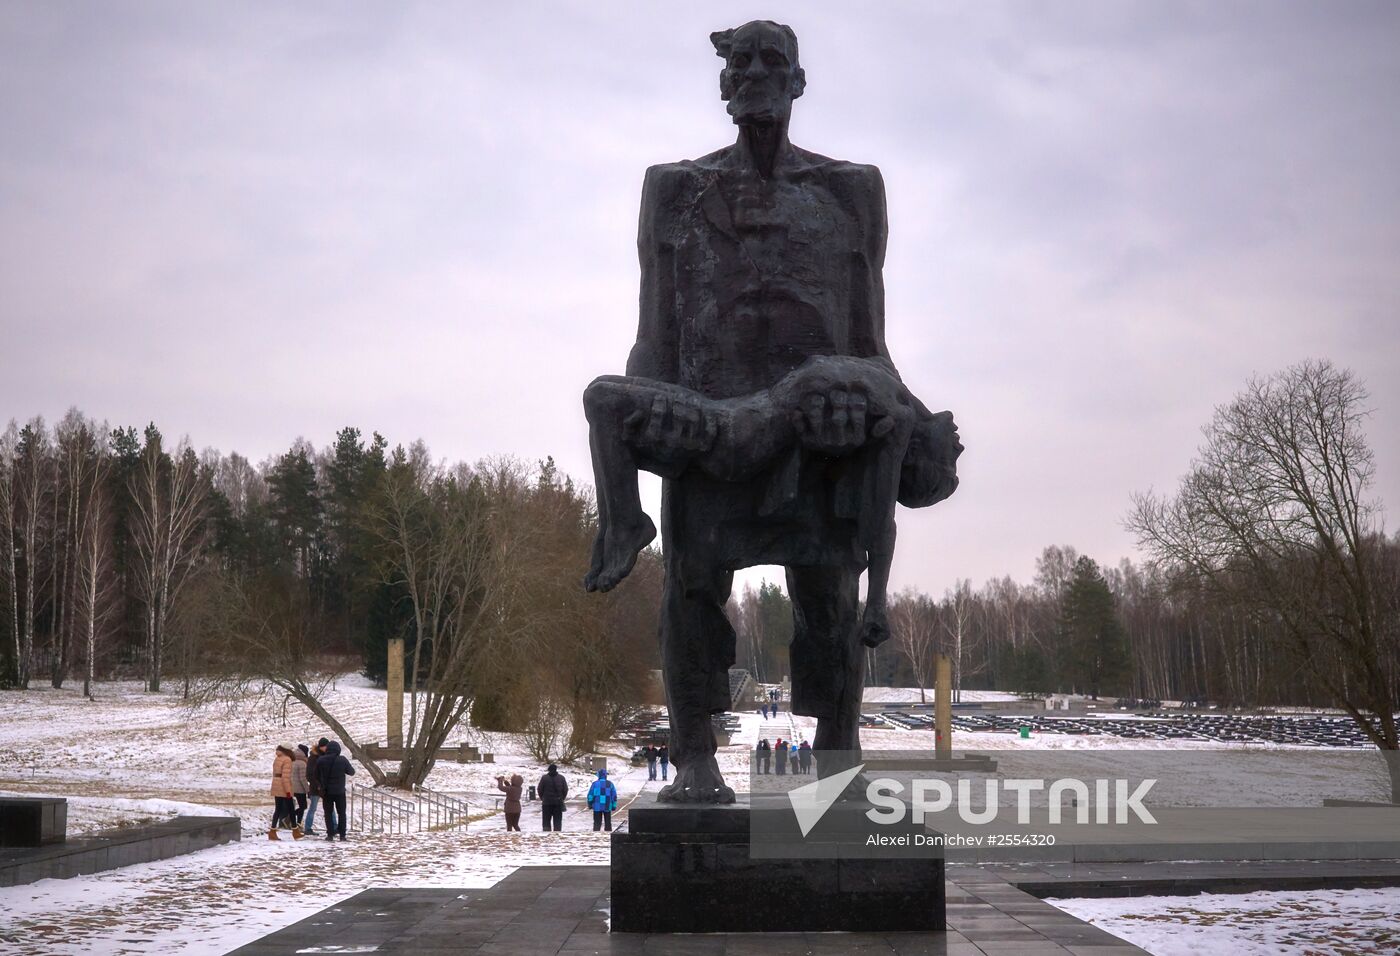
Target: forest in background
point(1271, 579)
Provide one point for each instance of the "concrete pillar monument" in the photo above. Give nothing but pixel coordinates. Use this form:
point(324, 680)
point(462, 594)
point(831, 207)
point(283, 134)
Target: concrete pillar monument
point(394, 678)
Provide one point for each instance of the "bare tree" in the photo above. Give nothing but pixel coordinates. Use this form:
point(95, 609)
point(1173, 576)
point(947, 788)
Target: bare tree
point(30, 483)
point(263, 640)
point(956, 615)
point(92, 572)
point(460, 545)
point(914, 621)
point(168, 501)
point(1274, 517)
point(9, 465)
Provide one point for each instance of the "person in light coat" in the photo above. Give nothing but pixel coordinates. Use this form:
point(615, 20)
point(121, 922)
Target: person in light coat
point(284, 807)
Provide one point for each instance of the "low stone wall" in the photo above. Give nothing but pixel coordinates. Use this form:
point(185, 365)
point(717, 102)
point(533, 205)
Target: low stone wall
point(110, 849)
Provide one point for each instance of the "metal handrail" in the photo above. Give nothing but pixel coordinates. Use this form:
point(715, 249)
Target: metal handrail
point(438, 811)
point(373, 810)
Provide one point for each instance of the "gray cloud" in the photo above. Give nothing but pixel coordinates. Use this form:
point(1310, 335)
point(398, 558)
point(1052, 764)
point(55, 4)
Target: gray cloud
point(253, 222)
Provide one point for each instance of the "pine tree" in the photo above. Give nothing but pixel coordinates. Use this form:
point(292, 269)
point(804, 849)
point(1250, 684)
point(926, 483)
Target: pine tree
point(1096, 653)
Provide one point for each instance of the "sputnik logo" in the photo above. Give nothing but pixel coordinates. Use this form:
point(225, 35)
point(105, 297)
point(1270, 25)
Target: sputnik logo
point(811, 802)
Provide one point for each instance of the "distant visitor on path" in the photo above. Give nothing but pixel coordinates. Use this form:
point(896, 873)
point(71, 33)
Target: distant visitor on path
point(664, 756)
point(283, 806)
point(553, 788)
point(764, 753)
point(602, 800)
point(512, 803)
point(313, 787)
point(331, 770)
point(652, 755)
point(780, 757)
point(805, 755)
point(299, 781)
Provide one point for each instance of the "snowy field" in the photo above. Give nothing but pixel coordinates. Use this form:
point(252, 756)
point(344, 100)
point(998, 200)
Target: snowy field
point(131, 757)
point(1313, 923)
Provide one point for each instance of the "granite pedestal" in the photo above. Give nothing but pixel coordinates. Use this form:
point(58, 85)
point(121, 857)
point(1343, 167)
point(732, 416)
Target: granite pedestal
point(33, 821)
point(693, 869)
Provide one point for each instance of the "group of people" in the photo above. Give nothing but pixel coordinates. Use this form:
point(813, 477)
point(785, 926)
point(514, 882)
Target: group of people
point(770, 707)
point(302, 778)
point(552, 790)
point(657, 755)
point(783, 757)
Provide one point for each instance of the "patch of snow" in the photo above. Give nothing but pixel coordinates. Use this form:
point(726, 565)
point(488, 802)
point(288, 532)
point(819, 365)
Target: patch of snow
point(1360, 922)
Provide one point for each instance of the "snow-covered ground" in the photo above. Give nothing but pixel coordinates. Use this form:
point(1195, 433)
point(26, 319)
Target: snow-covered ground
point(131, 757)
point(1311, 923)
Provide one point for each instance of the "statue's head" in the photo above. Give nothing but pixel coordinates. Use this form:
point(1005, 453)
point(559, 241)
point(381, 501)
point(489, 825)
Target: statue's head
point(761, 76)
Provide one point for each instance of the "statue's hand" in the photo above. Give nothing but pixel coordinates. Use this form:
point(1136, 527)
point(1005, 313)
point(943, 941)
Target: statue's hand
point(671, 428)
point(835, 422)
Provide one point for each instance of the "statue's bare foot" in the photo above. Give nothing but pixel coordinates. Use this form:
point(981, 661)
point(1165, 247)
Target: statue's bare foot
point(697, 782)
point(595, 562)
point(620, 549)
point(874, 626)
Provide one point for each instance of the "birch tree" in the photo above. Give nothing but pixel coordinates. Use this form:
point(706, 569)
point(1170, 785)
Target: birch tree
point(92, 571)
point(30, 484)
point(9, 465)
point(913, 620)
point(956, 615)
point(168, 494)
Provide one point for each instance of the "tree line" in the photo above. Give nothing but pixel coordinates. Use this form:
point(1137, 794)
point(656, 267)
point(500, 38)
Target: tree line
point(1269, 580)
point(133, 557)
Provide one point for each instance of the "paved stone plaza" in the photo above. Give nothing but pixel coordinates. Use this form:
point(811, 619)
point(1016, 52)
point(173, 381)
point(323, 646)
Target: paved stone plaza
point(564, 910)
point(993, 910)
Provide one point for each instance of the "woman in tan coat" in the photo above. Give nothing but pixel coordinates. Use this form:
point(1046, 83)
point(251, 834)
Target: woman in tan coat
point(512, 805)
point(284, 810)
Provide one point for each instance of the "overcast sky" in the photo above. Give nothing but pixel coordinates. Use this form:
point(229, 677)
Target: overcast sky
point(255, 222)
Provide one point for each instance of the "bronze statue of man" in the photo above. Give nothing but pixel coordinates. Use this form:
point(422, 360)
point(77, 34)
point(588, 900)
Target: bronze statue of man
point(761, 390)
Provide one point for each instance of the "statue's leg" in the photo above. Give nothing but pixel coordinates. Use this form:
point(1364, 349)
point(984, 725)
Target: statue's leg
point(697, 650)
point(828, 662)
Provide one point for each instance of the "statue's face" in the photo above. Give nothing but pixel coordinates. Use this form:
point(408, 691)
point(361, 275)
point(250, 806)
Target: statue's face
point(760, 81)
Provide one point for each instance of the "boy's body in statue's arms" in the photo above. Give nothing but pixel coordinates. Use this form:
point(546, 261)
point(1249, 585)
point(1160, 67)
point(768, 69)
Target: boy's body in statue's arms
point(667, 429)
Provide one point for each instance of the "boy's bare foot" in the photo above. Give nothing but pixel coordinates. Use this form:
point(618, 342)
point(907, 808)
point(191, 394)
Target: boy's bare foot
point(621, 546)
point(595, 562)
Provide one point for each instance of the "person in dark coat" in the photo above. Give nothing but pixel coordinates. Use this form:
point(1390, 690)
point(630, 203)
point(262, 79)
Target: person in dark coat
point(780, 757)
point(804, 754)
point(553, 789)
point(331, 771)
point(664, 755)
point(792, 759)
point(764, 753)
point(313, 786)
point(651, 753)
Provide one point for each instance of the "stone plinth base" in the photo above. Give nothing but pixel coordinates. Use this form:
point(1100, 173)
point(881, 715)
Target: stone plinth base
point(33, 821)
point(689, 869)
